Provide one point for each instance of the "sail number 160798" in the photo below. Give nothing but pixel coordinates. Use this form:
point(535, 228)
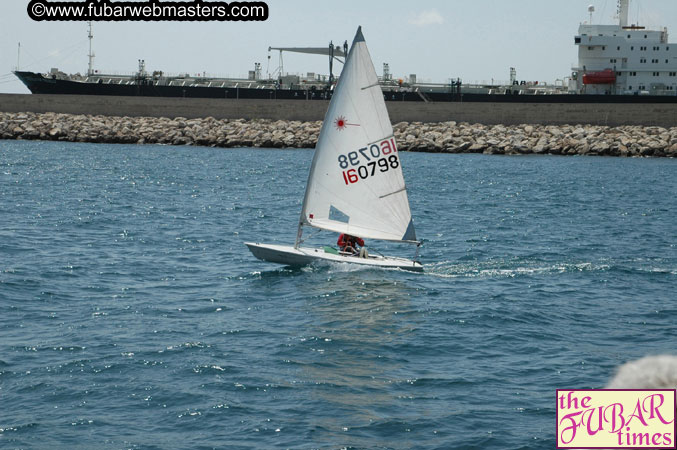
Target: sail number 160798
point(381, 156)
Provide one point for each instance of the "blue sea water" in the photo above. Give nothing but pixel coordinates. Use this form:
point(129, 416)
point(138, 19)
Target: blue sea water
point(132, 315)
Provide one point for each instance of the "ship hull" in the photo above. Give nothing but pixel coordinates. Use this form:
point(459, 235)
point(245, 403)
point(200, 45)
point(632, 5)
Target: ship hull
point(38, 84)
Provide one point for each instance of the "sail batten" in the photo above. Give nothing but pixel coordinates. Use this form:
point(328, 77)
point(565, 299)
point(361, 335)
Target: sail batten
point(354, 169)
point(371, 86)
point(393, 193)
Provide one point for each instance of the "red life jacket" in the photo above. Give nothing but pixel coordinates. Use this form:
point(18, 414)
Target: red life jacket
point(346, 240)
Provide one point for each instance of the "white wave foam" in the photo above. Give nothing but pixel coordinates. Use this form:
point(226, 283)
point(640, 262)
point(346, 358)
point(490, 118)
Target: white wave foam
point(501, 269)
point(650, 372)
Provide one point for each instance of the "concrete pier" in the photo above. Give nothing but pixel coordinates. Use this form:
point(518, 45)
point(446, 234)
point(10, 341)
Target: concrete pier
point(616, 114)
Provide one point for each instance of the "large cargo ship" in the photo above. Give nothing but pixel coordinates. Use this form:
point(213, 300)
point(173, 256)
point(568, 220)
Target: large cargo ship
point(620, 63)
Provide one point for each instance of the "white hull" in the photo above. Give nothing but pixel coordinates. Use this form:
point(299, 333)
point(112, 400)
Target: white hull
point(302, 256)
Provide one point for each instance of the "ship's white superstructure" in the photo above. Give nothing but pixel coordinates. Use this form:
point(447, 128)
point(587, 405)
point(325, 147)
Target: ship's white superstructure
point(624, 59)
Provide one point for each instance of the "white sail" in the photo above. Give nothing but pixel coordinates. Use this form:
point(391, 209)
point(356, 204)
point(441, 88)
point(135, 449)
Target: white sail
point(355, 184)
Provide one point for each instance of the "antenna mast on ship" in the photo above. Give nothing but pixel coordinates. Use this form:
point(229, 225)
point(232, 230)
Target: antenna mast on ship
point(90, 71)
point(623, 7)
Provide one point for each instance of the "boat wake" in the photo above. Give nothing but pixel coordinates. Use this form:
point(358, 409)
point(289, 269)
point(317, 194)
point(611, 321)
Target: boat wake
point(508, 269)
point(496, 268)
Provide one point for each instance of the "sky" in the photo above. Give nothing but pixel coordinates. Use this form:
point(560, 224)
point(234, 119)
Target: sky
point(474, 40)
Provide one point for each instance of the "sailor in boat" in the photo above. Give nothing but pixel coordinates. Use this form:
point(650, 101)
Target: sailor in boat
point(352, 245)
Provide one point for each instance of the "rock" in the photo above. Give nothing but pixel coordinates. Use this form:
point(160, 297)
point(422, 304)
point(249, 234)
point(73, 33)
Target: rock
point(599, 147)
point(463, 147)
point(554, 131)
point(401, 126)
point(540, 147)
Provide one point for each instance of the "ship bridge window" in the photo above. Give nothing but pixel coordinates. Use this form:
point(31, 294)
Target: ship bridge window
point(632, 48)
point(618, 48)
point(628, 36)
point(604, 47)
point(590, 47)
point(632, 74)
point(673, 74)
point(642, 60)
point(656, 74)
point(577, 40)
point(645, 36)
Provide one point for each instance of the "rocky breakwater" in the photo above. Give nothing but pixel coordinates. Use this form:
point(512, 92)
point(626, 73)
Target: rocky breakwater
point(443, 137)
point(451, 137)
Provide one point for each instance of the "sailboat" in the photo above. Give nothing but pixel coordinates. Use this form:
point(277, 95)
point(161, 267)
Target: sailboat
point(355, 185)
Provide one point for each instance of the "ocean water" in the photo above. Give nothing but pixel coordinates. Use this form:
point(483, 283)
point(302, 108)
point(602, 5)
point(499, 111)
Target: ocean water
point(133, 316)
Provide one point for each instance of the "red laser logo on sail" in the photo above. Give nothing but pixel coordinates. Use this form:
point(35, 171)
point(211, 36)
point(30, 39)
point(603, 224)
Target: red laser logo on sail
point(341, 123)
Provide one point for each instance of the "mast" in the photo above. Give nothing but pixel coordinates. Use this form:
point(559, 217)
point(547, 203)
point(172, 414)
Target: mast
point(623, 8)
point(331, 63)
point(90, 55)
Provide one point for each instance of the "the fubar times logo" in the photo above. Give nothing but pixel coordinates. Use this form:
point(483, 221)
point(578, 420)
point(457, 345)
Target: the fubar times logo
point(616, 418)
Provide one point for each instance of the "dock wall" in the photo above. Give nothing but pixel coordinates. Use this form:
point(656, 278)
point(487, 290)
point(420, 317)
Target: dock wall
point(663, 115)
